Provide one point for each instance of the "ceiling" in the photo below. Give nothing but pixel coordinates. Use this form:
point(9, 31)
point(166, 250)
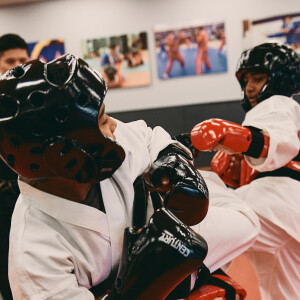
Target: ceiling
point(17, 2)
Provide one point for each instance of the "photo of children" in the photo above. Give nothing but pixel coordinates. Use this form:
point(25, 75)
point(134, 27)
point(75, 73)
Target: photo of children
point(194, 48)
point(283, 28)
point(122, 60)
point(46, 50)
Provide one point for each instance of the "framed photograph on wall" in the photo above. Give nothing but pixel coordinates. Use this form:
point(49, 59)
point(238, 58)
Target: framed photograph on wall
point(282, 28)
point(46, 50)
point(122, 60)
point(194, 48)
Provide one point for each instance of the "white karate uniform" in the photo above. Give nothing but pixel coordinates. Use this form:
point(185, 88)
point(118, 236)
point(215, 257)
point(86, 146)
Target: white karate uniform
point(59, 248)
point(276, 252)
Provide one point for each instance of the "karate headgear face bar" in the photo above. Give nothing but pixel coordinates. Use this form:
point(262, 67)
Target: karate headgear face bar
point(281, 64)
point(49, 122)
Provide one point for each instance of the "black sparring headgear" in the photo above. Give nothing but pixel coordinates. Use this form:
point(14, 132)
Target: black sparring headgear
point(49, 122)
point(279, 62)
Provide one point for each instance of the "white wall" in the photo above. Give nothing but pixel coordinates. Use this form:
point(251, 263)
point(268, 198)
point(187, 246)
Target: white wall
point(75, 20)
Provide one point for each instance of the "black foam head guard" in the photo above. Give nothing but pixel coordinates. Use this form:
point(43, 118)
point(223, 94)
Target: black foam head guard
point(279, 62)
point(49, 122)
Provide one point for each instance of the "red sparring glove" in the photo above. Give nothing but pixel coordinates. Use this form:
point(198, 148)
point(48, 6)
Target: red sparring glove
point(294, 165)
point(209, 134)
point(247, 173)
point(181, 186)
point(232, 169)
point(219, 285)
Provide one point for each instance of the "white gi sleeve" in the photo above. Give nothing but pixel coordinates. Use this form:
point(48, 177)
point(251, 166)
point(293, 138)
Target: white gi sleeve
point(230, 226)
point(279, 117)
point(142, 144)
point(158, 139)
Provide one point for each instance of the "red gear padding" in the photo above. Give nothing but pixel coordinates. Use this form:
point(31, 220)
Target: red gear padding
point(210, 292)
point(294, 165)
point(208, 134)
point(232, 169)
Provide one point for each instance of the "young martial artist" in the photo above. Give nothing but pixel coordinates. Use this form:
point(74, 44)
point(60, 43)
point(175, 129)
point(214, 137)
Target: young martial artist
point(67, 229)
point(269, 74)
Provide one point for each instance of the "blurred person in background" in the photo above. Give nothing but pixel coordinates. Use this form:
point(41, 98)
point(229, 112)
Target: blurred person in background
point(13, 51)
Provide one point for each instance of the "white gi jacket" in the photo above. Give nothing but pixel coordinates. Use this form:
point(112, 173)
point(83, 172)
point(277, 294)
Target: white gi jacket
point(59, 249)
point(276, 253)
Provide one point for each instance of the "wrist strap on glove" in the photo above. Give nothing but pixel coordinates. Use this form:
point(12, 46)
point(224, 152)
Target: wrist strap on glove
point(221, 285)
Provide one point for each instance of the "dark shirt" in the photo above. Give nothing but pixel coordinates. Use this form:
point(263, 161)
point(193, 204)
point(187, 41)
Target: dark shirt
point(94, 198)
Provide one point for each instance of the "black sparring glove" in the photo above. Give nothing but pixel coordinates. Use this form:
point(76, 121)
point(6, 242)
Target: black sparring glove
point(180, 185)
point(157, 258)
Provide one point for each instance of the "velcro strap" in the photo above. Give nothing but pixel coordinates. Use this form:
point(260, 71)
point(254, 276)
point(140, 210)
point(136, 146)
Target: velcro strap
point(182, 290)
point(218, 285)
point(282, 172)
point(229, 290)
point(257, 143)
